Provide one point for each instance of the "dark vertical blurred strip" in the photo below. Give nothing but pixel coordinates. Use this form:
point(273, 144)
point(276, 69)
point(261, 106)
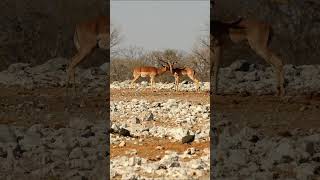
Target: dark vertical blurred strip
point(212, 111)
point(108, 97)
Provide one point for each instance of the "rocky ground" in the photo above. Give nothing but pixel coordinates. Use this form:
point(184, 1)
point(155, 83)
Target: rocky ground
point(249, 153)
point(243, 77)
point(43, 134)
point(159, 127)
point(256, 135)
point(259, 136)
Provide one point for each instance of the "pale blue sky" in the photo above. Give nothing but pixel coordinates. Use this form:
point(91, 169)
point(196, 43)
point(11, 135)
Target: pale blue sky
point(157, 25)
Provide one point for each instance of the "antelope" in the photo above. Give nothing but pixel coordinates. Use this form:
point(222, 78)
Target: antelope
point(186, 71)
point(88, 35)
point(257, 33)
point(152, 72)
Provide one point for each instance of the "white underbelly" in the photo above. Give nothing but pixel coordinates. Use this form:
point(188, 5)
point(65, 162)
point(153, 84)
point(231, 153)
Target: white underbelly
point(144, 74)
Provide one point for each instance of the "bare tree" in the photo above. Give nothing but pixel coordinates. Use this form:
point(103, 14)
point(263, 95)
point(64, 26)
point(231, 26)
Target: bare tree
point(201, 50)
point(115, 39)
point(132, 53)
point(169, 55)
point(200, 56)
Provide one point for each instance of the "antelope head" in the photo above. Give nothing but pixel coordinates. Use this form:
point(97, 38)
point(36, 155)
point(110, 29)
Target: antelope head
point(168, 64)
point(171, 66)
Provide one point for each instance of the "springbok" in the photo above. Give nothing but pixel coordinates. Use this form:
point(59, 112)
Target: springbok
point(88, 35)
point(256, 33)
point(186, 71)
point(152, 72)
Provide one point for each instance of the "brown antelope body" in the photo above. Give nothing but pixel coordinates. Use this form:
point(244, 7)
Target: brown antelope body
point(88, 35)
point(256, 33)
point(152, 72)
point(178, 72)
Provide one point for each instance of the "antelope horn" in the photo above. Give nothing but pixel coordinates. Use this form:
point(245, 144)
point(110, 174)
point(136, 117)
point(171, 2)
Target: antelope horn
point(166, 62)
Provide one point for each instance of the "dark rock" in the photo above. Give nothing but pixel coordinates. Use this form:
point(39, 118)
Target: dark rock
point(124, 132)
point(316, 170)
point(88, 134)
point(188, 139)
point(254, 139)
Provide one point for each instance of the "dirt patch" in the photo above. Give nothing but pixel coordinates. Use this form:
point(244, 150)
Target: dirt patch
point(129, 94)
point(272, 114)
point(148, 148)
point(49, 106)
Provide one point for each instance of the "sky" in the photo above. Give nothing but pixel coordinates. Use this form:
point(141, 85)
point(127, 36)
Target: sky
point(160, 24)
